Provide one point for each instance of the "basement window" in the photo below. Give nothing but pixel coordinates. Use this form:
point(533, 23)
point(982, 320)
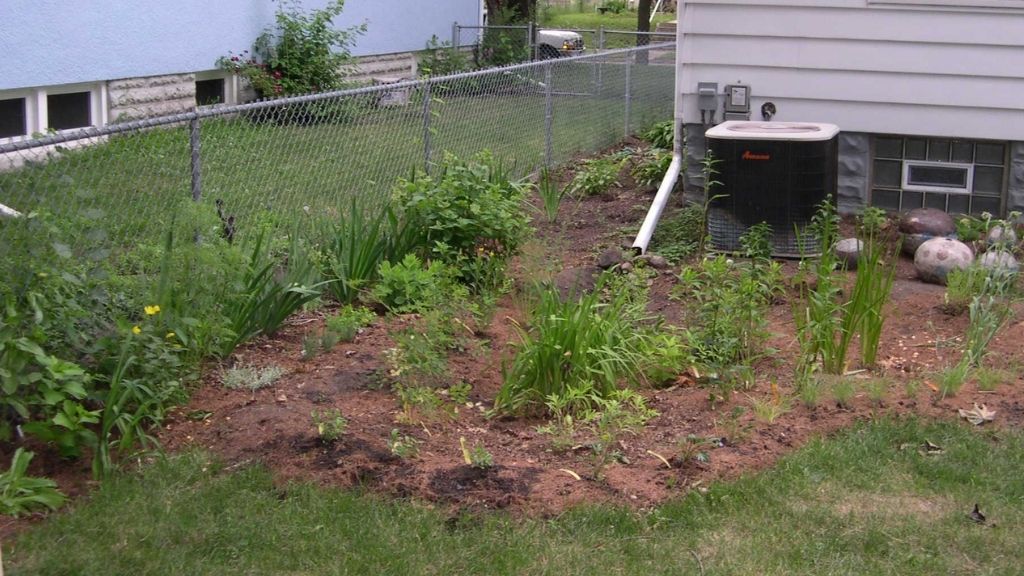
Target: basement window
point(937, 177)
point(69, 110)
point(13, 119)
point(210, 92)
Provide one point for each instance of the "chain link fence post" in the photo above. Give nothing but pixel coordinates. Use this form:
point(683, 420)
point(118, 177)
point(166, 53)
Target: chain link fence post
point(426, 126)
point(629, 98)
point(529, 41)
point(548, 116)
point(196, 159)
point(600, 62)
point(455, 36)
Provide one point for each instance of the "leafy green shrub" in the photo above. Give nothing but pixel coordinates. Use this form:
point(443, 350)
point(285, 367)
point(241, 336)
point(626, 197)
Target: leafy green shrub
point(661, 135)
point(651, 167)
point(302, 53)
point(467, 210)
point(573, 344)
point(439, 59)
point(500, 46)
point(408, 286)
point(595, 176)
point(42, 389)
point(729, 304)
point(614, 6)
point(21, 494)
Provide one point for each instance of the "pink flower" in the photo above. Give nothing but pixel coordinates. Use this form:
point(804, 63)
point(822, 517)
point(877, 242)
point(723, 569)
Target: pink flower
point(277, 88)
point(277, 73)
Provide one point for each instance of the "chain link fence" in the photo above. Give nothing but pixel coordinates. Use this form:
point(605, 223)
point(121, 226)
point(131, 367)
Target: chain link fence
point(272, 164)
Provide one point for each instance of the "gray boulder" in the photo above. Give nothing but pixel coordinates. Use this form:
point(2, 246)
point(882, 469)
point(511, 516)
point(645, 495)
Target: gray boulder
point(936, 257)
point(610, 258)
point(929, 221)
point(922, 224)
point(1001, 236)
point(999, 261)
point(848, 250)
point(575, 282)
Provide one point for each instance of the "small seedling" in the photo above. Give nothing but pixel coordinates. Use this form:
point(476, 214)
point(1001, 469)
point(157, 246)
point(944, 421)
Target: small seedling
point(876, 389)
point(843, 390)
point(953, 378)
point(459, 393)
point(402, 445)
point(990, 378)
point(478, 457)
point(316, 343)
point(346, 323)
point(768, 410)
point(731, 429)
point(330, 425)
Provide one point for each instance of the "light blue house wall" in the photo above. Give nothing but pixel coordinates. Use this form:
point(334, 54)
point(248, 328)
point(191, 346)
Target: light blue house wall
point(52, 42)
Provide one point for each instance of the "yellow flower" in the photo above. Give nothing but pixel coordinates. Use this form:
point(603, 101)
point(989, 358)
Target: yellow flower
point(136, 330)
point(151, 310)
point(169, 335)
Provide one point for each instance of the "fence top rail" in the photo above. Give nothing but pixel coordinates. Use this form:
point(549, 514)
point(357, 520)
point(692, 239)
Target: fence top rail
point(215, 111)
point(495, 27)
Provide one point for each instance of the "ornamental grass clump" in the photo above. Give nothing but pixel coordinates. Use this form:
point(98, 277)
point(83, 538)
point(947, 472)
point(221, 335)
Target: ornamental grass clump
point(575, 343)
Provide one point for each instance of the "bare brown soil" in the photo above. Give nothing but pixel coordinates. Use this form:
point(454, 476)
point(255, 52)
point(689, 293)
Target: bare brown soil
point(273, 426)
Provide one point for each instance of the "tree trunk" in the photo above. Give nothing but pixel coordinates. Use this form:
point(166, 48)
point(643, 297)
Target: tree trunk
point(643, 24)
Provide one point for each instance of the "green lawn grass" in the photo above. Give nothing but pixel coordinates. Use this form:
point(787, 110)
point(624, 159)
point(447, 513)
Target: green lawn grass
point(866, 502)
point(591, 19)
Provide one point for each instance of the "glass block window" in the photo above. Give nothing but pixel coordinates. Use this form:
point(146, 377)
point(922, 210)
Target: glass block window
point(958, 176)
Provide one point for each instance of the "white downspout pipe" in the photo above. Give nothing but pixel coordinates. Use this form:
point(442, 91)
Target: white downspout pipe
point(643, 238)
point(6, 212)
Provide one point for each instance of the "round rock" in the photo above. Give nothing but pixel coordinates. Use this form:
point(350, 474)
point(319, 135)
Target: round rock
point(1001, 236)
point(936, 257)
point(848, 250)
point(575, 282)
point(927, 221)
point(911, 242)
point(999, 261)
point(610, 258)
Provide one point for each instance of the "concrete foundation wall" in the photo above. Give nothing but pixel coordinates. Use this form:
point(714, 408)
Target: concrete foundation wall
point(133, 98)
point(854, 171)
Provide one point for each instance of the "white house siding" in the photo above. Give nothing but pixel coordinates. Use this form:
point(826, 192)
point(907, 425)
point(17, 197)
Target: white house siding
point(900, 67)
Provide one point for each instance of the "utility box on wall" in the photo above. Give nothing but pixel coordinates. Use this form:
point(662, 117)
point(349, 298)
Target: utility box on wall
point(774, 172)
